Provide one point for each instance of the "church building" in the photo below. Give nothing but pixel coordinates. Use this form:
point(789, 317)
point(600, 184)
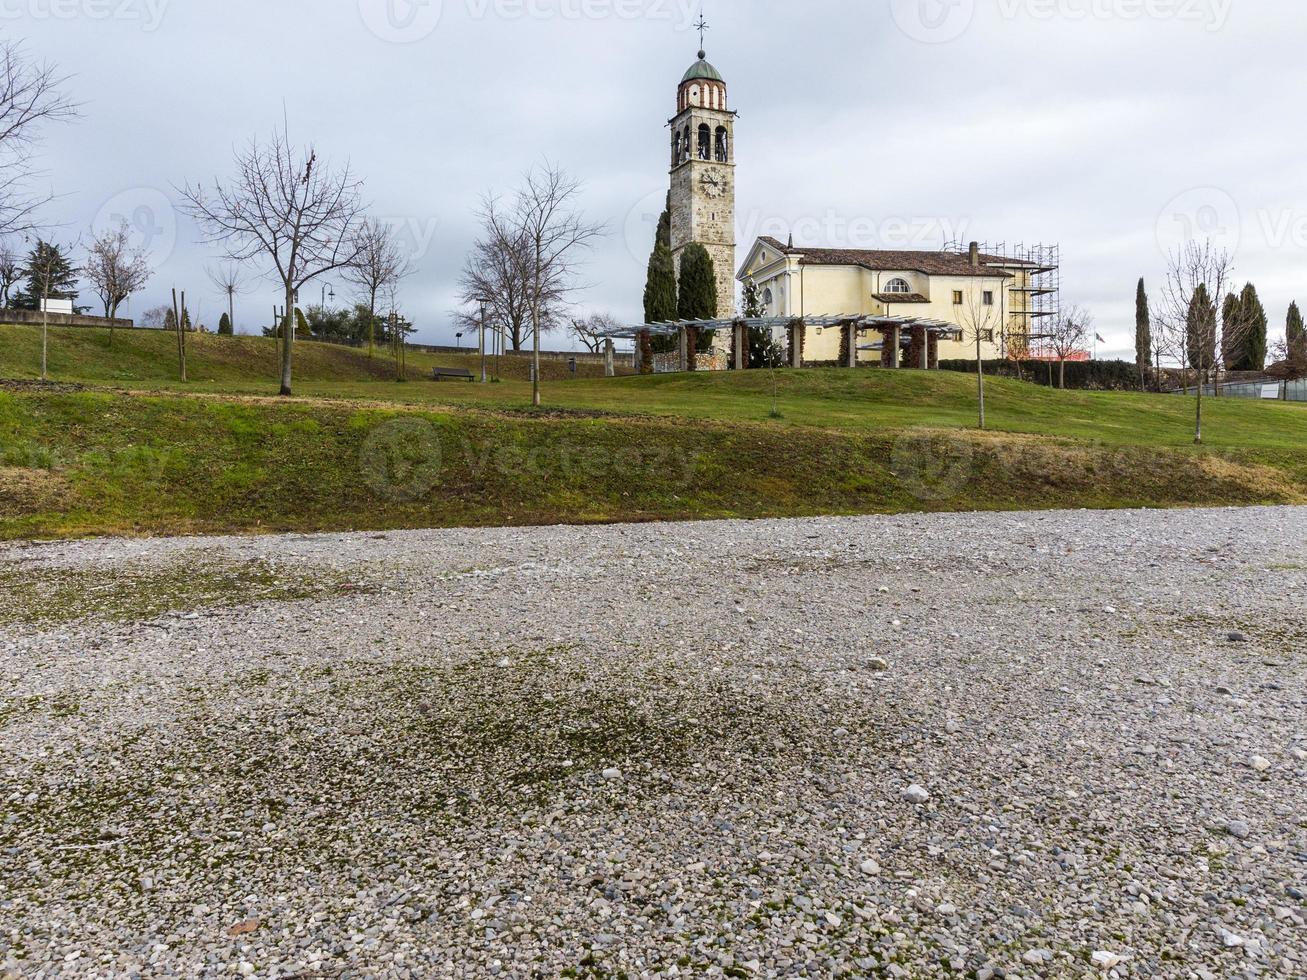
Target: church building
point(1002, 294)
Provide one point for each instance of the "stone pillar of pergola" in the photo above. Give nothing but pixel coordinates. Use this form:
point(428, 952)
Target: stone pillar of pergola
point(919, 354)
point(851, 330)
point(796, 345)
point(741, 348)
point(683, 348)
point(610, 363)
point(932, 347)
point(641, 340)
point(894, 346)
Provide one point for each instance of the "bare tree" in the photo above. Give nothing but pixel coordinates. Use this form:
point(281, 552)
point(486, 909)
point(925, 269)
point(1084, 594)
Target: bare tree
point(593, 329)
point(181, 321)
point(980, 322)
point(1198, 276)
point(542, 233)
point(378, 266)
point(29, 97)
point(288, 208)
point(1290, 361)
point(11, 272)
point(46, 270)
point(116, 270)
point(1067, 335)
point(490, 276)
point(228, 279)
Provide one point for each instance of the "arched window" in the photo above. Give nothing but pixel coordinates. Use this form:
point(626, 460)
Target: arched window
point(705, 142)
point(768, 299)
point(897, 286)
point(723, 147)
point(685, 146)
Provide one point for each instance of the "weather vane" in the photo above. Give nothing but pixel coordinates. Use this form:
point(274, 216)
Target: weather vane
point(702, 26)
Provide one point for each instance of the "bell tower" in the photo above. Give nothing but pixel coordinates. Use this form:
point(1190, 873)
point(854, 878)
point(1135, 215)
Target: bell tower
point(703, 173)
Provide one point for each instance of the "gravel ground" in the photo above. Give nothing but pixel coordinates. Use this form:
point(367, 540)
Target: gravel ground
point(1023, 745)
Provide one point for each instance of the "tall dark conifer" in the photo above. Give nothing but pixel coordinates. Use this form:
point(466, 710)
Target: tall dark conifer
point(1252, 339)
point(697, 293)
point(1295, 334)
point(1143, 334)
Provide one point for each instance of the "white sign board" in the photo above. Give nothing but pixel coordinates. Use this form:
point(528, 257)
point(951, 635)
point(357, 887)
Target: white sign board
point(1271, 392)
point(64, 306)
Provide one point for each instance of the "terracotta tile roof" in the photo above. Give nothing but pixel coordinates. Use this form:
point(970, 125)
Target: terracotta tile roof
point(889, 298)
point(928, 263)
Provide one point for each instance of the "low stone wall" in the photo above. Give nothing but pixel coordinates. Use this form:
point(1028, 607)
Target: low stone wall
point(36, 318)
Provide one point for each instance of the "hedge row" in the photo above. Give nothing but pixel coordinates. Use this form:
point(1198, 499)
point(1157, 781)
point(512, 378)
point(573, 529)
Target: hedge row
point(1082, 375)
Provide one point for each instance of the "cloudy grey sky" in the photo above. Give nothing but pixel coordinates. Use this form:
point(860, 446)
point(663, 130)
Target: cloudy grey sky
point(1110, 126)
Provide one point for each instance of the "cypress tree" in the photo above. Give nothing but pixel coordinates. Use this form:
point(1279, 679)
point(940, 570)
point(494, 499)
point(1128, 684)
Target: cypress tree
point(1252, 345)
point(1200, 329)
point(1143, 334)
point(1231, 331)
point(660, 286)
point(224, 326)
point(1295, 334)
point(697, 294)
point(660, 282)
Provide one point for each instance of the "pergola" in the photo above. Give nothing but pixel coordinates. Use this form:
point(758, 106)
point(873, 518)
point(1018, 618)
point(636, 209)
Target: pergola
point(918, 334)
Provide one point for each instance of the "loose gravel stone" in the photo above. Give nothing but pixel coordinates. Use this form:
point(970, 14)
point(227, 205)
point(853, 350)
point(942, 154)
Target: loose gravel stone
point(409, 774)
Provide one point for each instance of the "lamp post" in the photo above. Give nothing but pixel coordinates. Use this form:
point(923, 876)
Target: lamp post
point(458, 339)
point(484, 378)
point(325, 287)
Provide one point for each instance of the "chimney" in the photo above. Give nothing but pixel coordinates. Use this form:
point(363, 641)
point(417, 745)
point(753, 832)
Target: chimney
point(975, 255)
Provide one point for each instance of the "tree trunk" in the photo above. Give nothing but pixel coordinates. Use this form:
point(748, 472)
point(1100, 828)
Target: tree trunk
point(372, 321)
point(287, 333)
point(45, 332)
point(535, 359)
point(231, 311)
point(1061, 374)
point(1198, 416)
point(980, 379)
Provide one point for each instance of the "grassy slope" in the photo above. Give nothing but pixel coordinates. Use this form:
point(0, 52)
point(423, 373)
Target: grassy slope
point(420, 454)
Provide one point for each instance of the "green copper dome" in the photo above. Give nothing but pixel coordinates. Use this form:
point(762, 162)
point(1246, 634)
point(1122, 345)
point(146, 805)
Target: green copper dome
point(702, 70)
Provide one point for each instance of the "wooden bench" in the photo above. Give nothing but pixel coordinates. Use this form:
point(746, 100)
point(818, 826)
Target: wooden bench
point(451, 374)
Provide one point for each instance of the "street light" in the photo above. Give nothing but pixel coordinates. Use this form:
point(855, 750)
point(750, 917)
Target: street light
point(482, 302)
point(459, 338)
point(325, 286)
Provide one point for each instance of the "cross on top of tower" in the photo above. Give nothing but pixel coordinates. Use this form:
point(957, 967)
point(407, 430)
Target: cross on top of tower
point(702, 27)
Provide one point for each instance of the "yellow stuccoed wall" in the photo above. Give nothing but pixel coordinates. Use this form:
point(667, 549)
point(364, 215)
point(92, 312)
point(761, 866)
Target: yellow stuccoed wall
point(836, 290)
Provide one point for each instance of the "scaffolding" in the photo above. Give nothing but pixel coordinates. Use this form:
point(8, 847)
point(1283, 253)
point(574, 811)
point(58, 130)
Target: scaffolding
point(1033, 298)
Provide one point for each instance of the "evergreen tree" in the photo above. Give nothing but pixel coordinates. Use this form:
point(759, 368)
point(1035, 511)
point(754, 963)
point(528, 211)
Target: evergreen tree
point(752, 301)
point(47, 266)
point(1252, 339)
point(1295, 334)
point(1200, 330)
point(225, 327)
point(187, 327)
point(660, 283)
point(1231, 331)
point(660, 287)
point(1143, 334)
point(697, 294)
point(170, 321)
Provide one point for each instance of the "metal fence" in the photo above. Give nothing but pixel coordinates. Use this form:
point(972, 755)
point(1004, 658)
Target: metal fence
point(1265, 390)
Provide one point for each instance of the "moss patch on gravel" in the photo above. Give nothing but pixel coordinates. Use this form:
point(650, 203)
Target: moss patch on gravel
point(45, 596)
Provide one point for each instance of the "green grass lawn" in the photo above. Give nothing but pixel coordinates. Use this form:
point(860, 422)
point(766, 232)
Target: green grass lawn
point(137, 452)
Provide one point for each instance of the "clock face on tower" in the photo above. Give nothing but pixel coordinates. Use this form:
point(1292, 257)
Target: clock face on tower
point(714, 183)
